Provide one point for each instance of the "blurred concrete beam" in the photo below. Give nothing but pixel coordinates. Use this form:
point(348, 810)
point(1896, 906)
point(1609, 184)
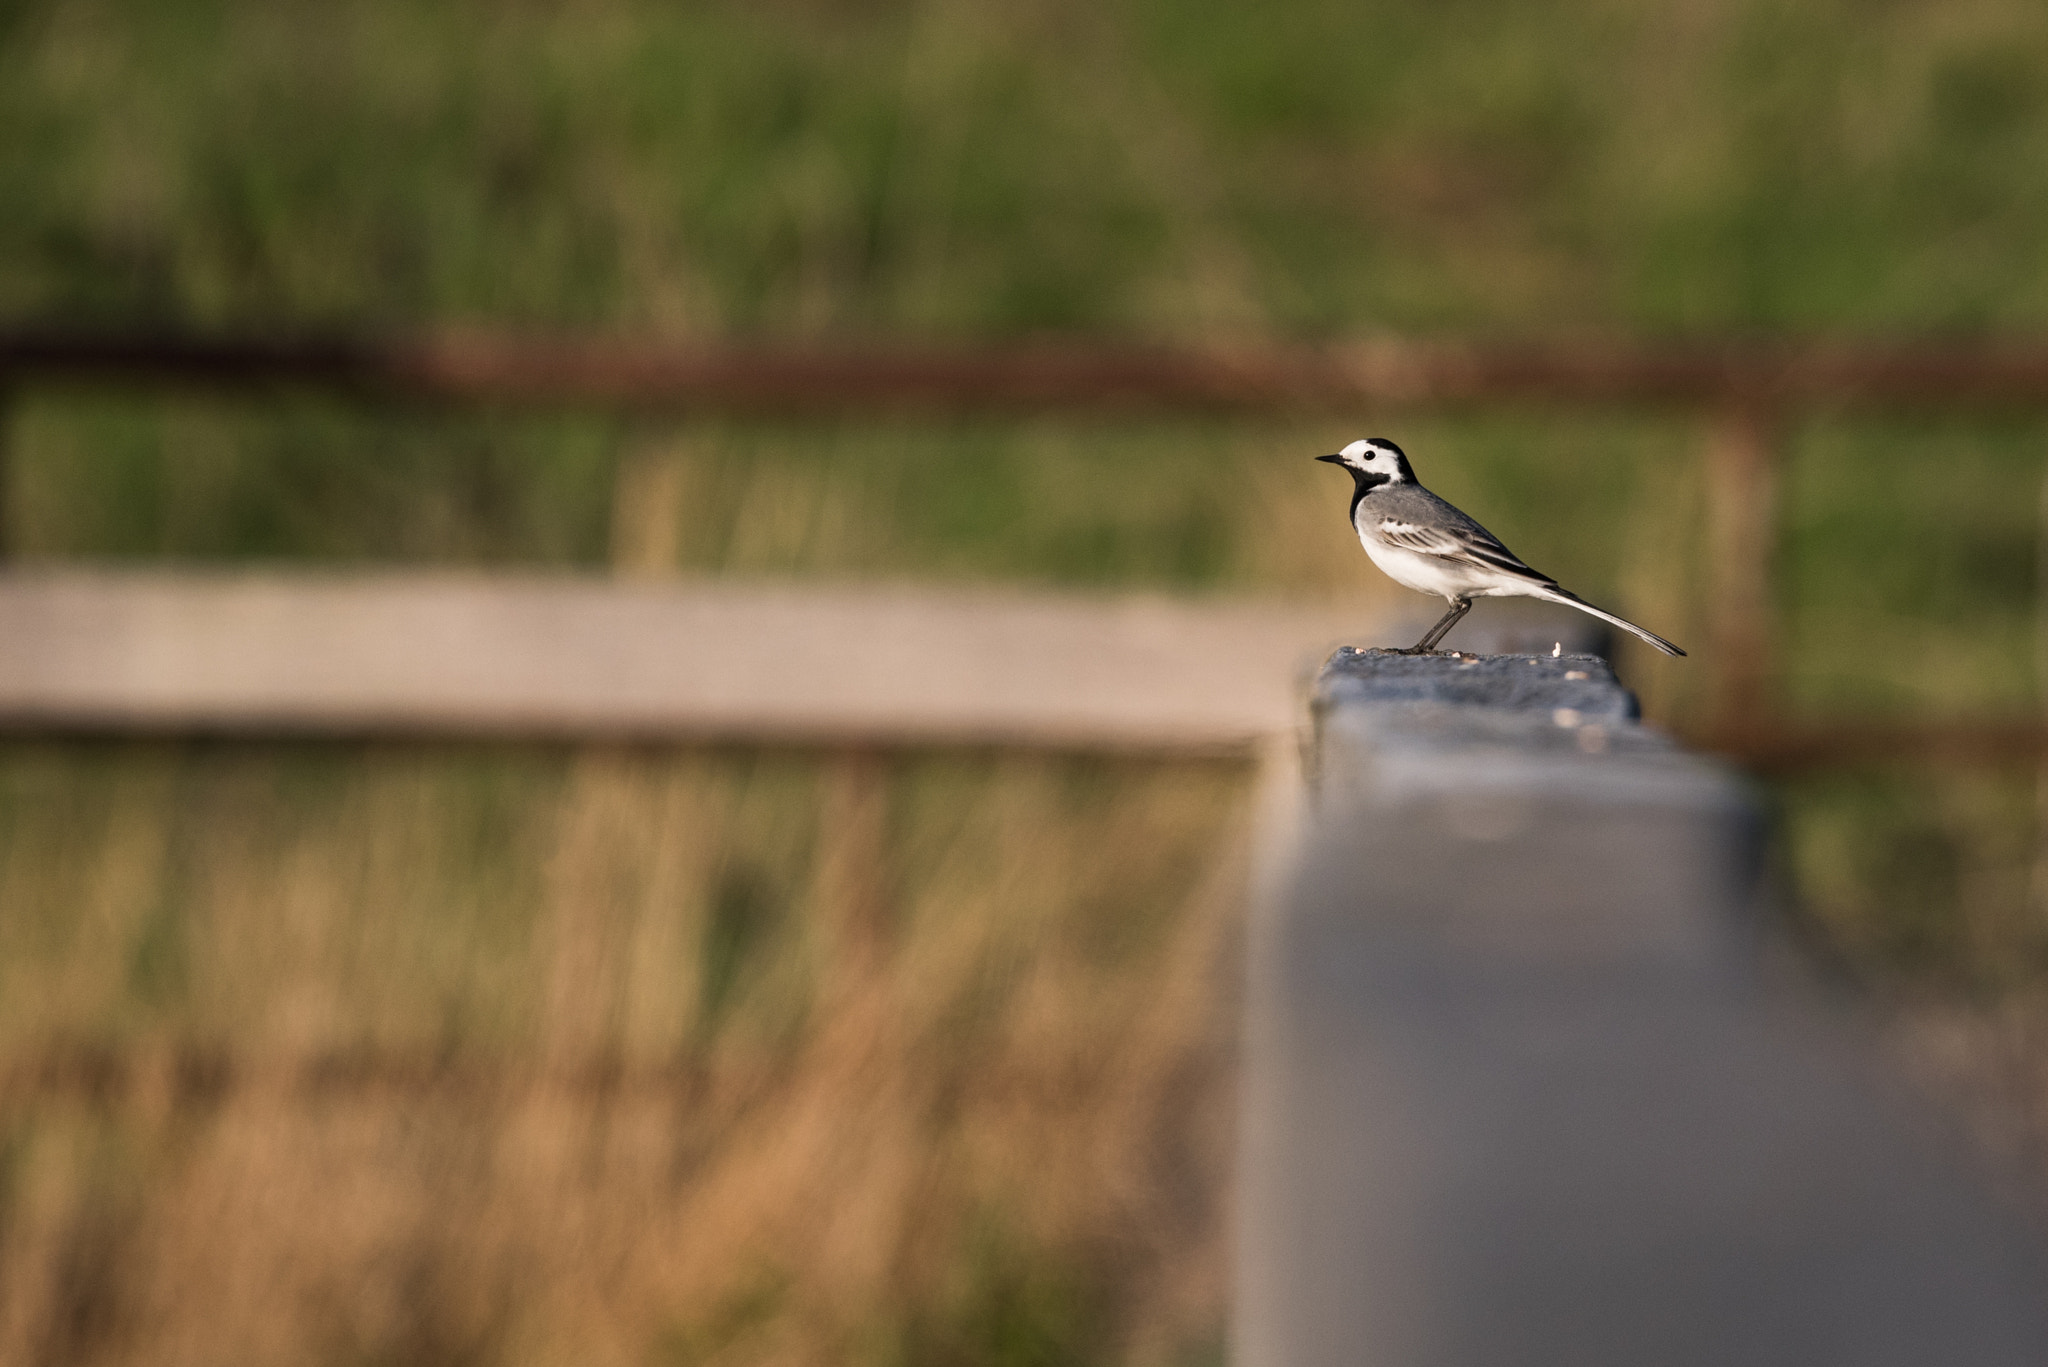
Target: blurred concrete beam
point(1520, 1090)
point(531, 656)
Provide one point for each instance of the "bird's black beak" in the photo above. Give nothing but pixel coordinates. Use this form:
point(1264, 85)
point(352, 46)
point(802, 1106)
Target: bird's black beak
point(1334, 460)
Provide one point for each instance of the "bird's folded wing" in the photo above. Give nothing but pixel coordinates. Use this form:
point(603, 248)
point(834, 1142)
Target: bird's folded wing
point(1472, 544)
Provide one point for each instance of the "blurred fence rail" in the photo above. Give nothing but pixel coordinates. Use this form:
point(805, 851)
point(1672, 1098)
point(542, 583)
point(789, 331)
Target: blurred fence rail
point(583, 658)
point(1745, 392)
point(185, 1074)
point(567, 658)
point(475, 368)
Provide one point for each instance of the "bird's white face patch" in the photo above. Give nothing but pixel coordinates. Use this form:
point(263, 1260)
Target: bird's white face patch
point(1375, 458)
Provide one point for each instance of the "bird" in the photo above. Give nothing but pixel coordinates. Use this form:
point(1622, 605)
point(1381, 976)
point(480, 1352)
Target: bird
point(1423, 543)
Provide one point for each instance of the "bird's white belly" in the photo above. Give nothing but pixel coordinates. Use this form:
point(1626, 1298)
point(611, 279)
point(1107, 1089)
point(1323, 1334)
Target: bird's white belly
point(1431, 574)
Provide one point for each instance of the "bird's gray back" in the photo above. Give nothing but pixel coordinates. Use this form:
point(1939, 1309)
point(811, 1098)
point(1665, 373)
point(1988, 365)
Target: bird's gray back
point(1415, 504)
point(1418, 507)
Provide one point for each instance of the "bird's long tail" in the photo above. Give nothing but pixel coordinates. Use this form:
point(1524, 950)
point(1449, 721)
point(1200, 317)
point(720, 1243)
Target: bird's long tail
point(1572, 600)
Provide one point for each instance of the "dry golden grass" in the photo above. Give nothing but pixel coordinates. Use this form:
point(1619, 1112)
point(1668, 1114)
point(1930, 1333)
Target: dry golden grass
point(619, 1058)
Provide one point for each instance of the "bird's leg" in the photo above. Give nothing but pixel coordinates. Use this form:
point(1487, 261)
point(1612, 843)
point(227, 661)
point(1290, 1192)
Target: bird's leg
point(1427, 645)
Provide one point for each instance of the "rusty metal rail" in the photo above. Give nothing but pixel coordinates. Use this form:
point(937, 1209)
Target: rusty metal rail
point(1780, 748)
point(108, 1074)
point(1745, 392)
point(478, 368)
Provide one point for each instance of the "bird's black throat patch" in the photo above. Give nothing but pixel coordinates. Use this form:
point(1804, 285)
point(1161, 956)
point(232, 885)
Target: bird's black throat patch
point(1364, 482)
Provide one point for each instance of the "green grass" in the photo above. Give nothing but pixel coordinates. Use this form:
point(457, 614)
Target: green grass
point(1144, 167)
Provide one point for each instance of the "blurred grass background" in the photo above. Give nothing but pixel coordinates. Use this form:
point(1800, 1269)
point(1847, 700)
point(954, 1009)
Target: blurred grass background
point(952, 1089)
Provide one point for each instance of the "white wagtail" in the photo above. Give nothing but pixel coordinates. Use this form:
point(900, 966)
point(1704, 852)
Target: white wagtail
point(1425, 544)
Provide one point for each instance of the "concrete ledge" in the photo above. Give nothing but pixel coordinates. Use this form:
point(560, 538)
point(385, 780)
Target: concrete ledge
point(1518, 1090)
point(1522, 684)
